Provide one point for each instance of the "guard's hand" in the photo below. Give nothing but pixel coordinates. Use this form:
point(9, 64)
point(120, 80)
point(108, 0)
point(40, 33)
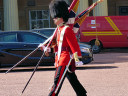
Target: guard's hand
point(47, 50)
point(80, 63)
point(41, 46)
point(77, 61)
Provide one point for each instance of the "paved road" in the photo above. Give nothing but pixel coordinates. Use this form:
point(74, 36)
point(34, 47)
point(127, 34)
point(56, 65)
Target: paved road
point(107, 75)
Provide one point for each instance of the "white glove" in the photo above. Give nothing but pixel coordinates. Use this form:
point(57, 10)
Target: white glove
point(41, 45)
point(48, 49)
point(79, 63)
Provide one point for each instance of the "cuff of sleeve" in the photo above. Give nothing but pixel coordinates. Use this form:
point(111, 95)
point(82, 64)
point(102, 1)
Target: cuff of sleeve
point(76, 57)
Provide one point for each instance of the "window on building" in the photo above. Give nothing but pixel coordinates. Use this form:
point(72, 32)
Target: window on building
point(0, 21)
point(39, 19)
point(123, 10)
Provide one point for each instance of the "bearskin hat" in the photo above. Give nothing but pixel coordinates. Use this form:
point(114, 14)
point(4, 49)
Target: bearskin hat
point(59, 8)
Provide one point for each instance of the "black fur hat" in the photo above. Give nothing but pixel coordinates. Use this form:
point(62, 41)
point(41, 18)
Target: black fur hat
point(59, 8)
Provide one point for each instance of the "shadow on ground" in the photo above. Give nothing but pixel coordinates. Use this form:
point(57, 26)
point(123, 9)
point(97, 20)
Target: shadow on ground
point(30, 69)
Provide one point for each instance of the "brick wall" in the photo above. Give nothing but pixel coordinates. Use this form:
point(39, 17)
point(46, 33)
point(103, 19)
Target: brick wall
point(26, 5)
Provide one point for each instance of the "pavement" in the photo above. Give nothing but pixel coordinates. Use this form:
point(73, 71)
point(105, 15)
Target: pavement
point(107, 75)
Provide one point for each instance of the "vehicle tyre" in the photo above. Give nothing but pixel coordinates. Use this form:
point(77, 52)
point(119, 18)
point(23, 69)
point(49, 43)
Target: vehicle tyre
point(96, 49)
point(86, 60)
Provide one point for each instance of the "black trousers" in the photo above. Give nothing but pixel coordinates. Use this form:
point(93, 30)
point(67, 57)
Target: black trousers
point(72, 78)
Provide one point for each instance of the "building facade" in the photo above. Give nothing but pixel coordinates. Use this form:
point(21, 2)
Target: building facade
point(31, 14)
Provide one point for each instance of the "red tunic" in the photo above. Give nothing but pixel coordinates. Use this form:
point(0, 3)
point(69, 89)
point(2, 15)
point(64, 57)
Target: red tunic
point(69, 40)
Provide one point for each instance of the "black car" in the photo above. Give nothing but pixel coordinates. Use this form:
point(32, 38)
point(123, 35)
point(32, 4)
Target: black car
point(17, 44)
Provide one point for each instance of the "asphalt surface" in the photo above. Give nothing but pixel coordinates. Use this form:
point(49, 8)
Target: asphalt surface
point(107, 75)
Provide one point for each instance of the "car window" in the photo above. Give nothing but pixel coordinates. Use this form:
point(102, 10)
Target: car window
point(47, 32)
point(32, 38)
point(8, 37)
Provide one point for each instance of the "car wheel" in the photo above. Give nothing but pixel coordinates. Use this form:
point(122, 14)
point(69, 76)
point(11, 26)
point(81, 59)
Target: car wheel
point(86, 60)
point(95, 48)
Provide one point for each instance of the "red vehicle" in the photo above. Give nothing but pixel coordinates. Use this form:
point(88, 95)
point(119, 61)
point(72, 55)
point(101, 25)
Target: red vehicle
point(111, 31)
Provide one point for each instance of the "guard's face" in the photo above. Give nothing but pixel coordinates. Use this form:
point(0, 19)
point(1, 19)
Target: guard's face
point(57, 20)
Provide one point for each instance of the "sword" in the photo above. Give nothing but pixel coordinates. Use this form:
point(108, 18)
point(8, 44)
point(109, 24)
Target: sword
point(71, 57)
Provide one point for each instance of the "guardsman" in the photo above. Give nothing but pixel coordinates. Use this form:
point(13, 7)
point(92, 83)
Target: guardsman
point(66, 45)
